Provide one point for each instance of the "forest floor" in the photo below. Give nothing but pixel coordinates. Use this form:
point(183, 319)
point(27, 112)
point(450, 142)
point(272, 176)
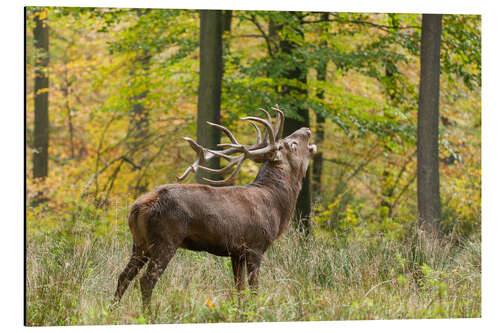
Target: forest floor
point(71, 277)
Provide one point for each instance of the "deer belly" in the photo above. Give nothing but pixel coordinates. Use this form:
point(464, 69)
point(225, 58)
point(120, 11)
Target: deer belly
point(204, 245)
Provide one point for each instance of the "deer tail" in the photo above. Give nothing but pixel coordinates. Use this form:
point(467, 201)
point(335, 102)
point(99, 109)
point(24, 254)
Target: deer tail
point(137, 220)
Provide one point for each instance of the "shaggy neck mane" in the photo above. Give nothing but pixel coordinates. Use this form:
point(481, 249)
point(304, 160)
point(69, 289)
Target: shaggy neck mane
point(284, 186)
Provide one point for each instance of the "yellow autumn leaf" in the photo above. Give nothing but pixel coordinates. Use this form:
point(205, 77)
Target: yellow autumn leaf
point(42, 15)
point(209, 304)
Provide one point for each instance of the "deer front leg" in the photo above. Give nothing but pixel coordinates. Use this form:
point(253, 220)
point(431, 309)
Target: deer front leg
point(238, 263)
point(253, 261)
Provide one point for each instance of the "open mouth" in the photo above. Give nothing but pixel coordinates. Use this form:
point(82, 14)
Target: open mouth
point(312, 148)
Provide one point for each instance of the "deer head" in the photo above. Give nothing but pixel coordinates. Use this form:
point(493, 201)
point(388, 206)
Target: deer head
point(295, 152)
point(292, 153)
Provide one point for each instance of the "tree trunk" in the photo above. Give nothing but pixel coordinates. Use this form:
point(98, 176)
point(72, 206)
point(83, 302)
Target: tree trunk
point(209, 89)
point(318, 157)
point(387, 185)
point(304, 201)
point(273, 37)
point(65, 91)
point(139, 127)
point(66, 86)
point(429, 204)
point(320, 120)
point(41, 126)
point(227, 16)
point(139, 122)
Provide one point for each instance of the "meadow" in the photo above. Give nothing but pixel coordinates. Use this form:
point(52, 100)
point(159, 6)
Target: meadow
point(71, 279)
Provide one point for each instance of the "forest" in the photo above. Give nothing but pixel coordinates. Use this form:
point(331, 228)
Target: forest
point(387, 224)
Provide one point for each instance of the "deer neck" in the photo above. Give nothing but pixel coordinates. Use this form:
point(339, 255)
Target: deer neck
point(284, 187)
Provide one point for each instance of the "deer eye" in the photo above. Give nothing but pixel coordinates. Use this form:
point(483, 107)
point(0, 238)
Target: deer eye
point(293, 145)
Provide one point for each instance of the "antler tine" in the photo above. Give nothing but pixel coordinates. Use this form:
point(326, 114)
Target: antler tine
point(225, 130)
point(259, 134)
point(276, 126)
point(200, 151)
point(185, 174)
point(197, 148)
point(279, 133)
point(230, 145)
point(270, 121)
point(220, 171)
point(226, 181)
point(222, 154)
point(197, 164)
point(268, 126)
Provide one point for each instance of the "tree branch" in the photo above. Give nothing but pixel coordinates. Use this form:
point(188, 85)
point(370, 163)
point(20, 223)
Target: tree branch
point(338, 161)
point(394, 204)
point(386, 28)
point(244, 36)
point(253, 19)
point(98, 172)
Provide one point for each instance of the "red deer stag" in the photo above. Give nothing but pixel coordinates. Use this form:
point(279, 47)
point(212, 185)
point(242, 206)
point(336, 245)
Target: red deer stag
point(236, 221)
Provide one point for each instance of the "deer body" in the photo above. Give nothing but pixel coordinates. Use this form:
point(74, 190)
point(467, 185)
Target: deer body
point(236, 221)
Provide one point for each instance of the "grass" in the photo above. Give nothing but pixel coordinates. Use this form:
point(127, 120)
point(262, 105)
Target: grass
point(71, 279)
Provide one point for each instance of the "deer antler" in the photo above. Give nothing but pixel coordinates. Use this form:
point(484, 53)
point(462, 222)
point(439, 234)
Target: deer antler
point(263, 150)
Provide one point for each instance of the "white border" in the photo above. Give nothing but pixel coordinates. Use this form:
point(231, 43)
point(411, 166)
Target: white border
point(12, 114)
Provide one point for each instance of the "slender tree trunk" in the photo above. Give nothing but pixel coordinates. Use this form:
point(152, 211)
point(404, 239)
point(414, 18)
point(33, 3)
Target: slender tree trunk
point(273, 37)
point(139, 131)
point(140, 115)
point(139, 123)
point(209, 89)
point(318, 157)
point(387, 185)
point(41, 130)
point(304, 201)
point(227, 17)
point(70, 122)
point(429, 203)
point(320, 120)
point(66, 93)
point(139, 127)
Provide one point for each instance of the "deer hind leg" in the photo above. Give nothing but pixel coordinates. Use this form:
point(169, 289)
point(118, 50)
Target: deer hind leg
point(253, 261)
point(238, 263)
point(157, 265)
point(133, 267)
